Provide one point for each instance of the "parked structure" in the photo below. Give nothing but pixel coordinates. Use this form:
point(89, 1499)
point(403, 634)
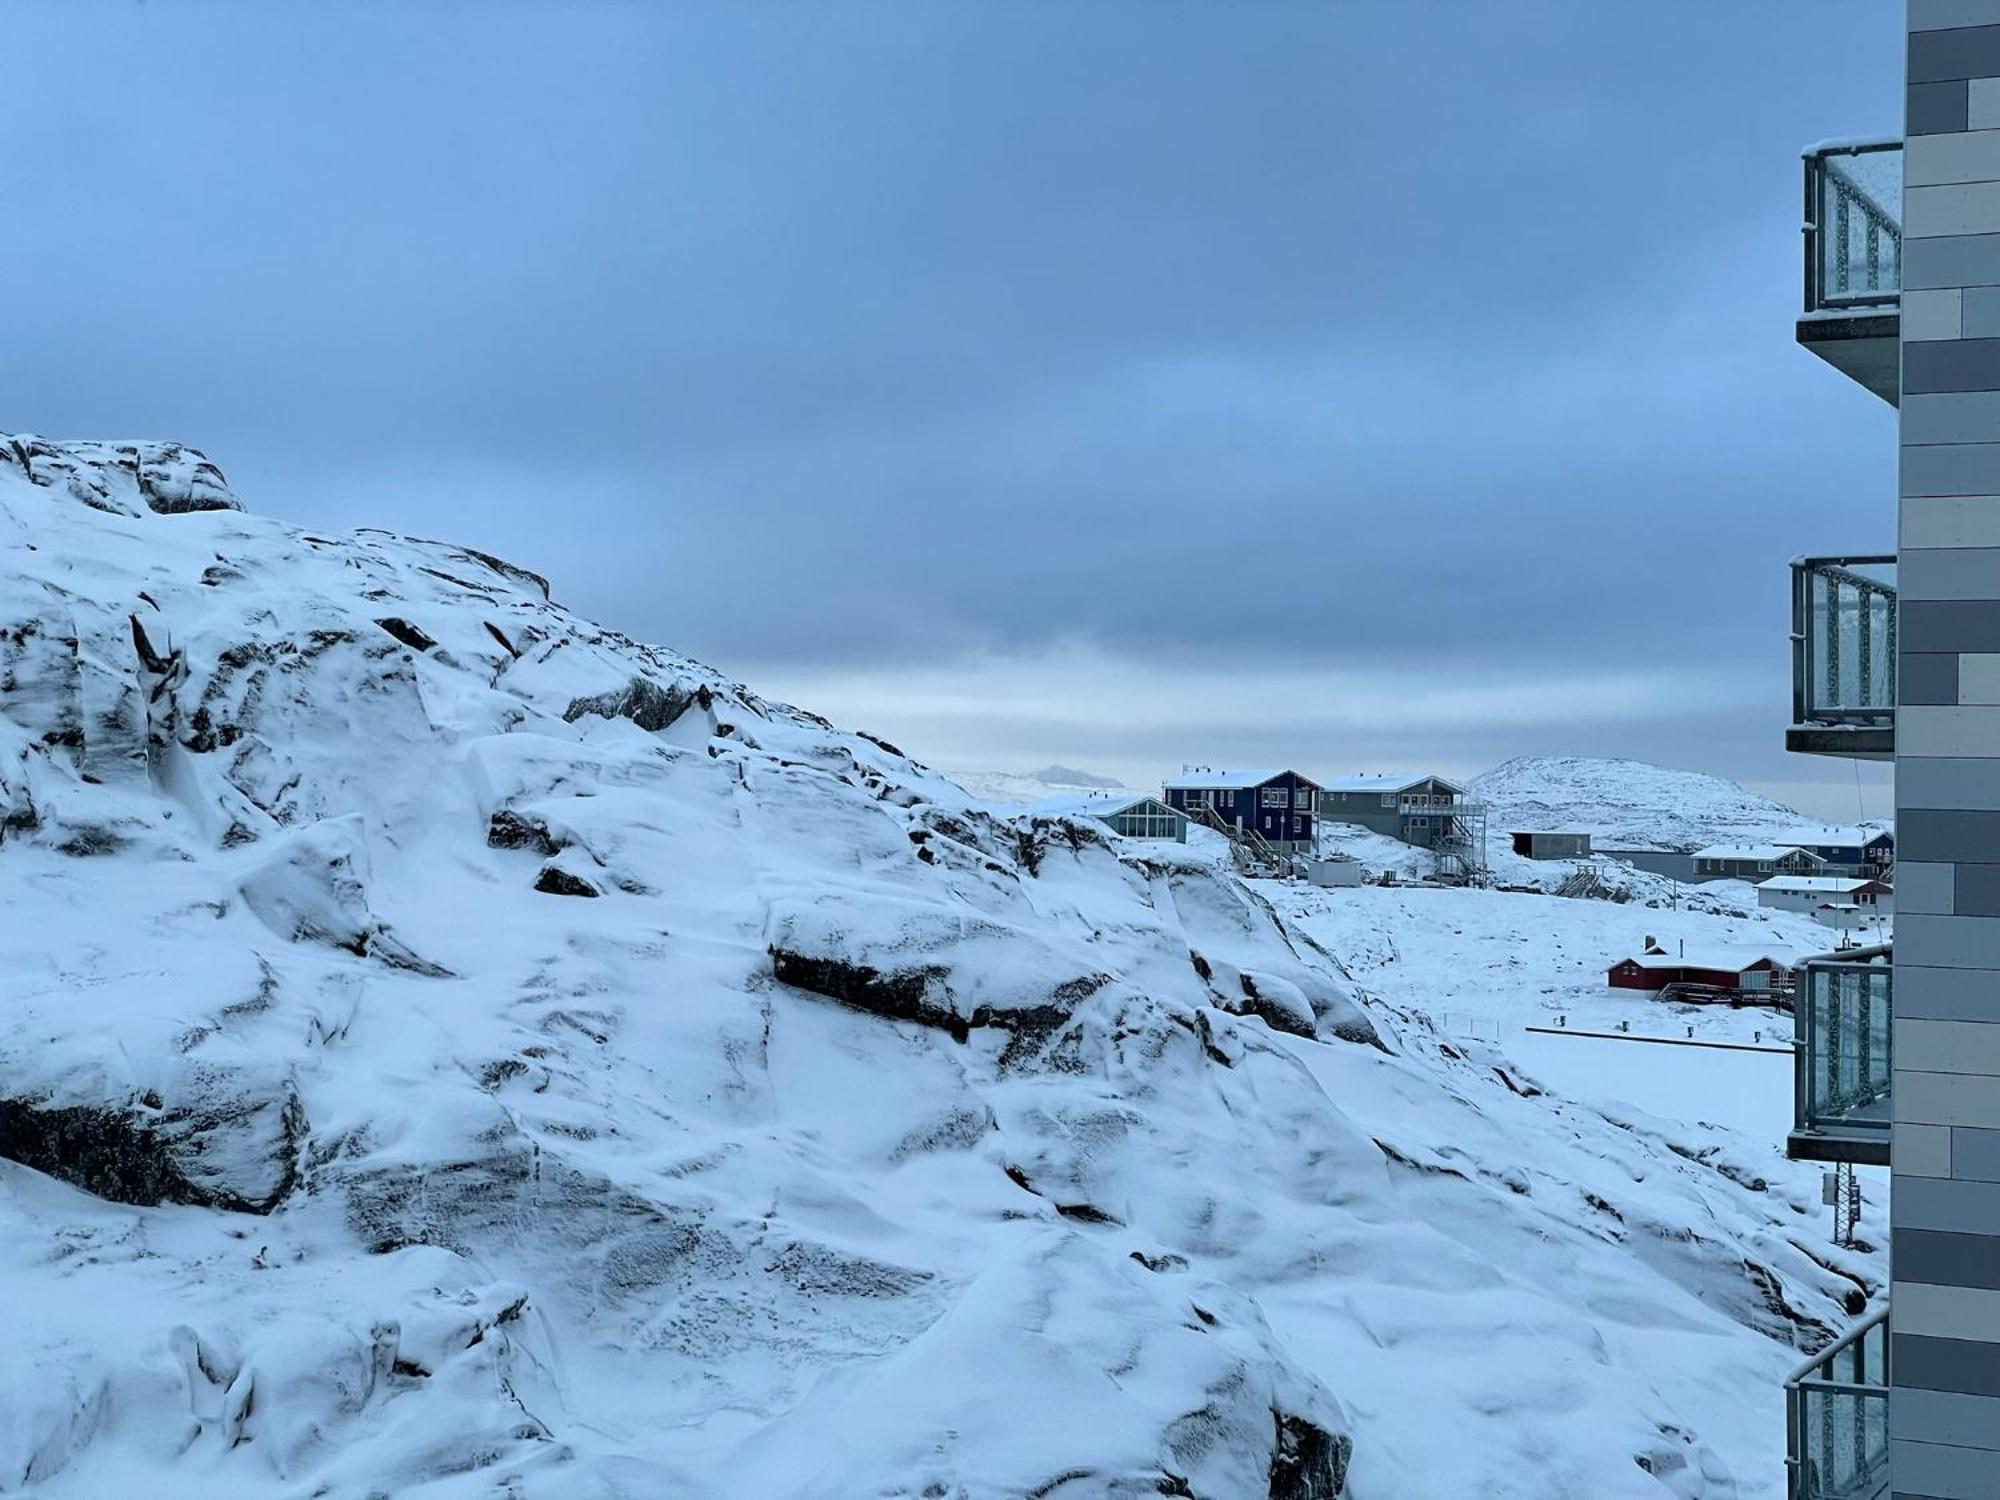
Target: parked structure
point(1335, 872)
point(1419, 808)
point(1277, 806)
point(1552, 845)
point(1894, 655)
point(1136, 817)
point(1718, 968)
point(1866, 852)
point(1754, 862)
point(1808, 893)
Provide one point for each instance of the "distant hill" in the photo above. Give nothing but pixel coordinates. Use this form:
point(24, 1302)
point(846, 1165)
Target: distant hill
point(1006, 789)
point(1628, 804)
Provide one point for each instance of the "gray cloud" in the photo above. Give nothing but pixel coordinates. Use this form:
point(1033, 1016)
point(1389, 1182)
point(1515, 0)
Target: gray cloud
point(1448, 336)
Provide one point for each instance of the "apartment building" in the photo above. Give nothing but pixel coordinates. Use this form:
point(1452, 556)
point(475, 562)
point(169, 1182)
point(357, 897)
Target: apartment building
point(1898, 655)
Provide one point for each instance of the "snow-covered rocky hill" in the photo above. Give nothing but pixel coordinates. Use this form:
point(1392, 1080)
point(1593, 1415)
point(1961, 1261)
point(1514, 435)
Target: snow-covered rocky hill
point(451, 1050)
point(1628, 804)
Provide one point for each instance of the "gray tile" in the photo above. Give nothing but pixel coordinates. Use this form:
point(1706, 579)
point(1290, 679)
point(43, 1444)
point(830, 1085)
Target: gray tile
point(1975, 892)
point(1949, 625)
point(1953, 260)
point(1931, 889)
point(1936, 15)
point(1945, 1259)
point(1946, 1203)
point(1945, 1364)
point(1950, 572)
point(1955, 942)
point(1954, 416)
point(1946, 782)
point(1935, 108)
point(1951, 365)
point(1979, 314)
point(1927, 677)
point(1943, 836)
point(1946, 994)
point(1975, 1156)
point(1945, 1471)
point(1964, 52)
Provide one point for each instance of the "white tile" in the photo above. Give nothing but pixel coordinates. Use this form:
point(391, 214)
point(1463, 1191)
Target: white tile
point(1947, 731)
point(1983, 104)
point(1948, 1046)
point(1946, 1312)
point(1974, 156)
point(1951, 521)
point(1945, 1099)
point(1933, 315)
point(1971, 208)
point(1920, 1150)
point(1979, 677)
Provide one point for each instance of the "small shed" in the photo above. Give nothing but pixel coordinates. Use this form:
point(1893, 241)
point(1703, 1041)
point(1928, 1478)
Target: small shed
point(1136, 816)
point(1721, 968)
point(1334, 872)
point(1542, 844)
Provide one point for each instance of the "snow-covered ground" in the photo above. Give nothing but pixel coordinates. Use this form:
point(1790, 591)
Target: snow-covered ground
point(452, 1050)
point(1628, 804)
point(1007, 791)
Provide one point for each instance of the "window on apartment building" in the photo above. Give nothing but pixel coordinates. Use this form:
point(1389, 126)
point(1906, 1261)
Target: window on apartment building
point(1276, 796)
point(1303, 797)
point(1299, 827)
point(1388, 799)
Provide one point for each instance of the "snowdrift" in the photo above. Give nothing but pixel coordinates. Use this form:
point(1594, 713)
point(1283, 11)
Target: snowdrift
point(450, 1049)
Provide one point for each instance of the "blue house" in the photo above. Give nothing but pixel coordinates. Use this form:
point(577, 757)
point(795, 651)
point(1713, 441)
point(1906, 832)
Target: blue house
point(1279, 805)
point(1860, 853)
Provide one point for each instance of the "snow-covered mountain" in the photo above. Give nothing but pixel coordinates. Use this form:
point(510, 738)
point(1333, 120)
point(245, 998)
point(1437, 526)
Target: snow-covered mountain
point(449, 1050)
point(1628, 804)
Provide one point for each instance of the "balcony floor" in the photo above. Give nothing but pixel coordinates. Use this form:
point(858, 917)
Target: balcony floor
point(1864, 1142)
point(1865, 346)
point(1850, 741)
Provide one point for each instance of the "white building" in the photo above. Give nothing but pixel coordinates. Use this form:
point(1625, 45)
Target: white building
point(1808, 893)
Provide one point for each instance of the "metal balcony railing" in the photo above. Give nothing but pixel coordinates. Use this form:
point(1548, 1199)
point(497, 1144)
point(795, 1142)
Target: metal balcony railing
point(1844, 640)
point(1837, 1418)
point(1842, 1015)
point(1854, 232)
point(1437, 807)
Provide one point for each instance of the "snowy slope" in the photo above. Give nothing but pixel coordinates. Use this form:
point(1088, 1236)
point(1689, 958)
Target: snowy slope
point(1011, 791)
point(1627, 804)
point(452, 1050)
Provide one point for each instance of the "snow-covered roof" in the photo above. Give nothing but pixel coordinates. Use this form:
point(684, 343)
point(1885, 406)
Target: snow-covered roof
point(1851, 837)
point(1107, 805)
point(1772, 852)
point(1233, 781)
point(1808, 885)
point(1384, 781)
point(1724, 960)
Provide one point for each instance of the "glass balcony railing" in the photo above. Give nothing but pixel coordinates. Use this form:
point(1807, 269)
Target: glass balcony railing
point(1837, 1418)
point(1854, 231)
point(1840, 1108)
point(1844, 648)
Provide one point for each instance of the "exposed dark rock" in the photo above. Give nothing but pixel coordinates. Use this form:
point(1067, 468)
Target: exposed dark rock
point(407, 633)
point(556, 881)
point(1086, 1213)
point(1309, 1463)
point(1278, 1017)
point(643, 701)
point(222, 1149)
point(510, 830)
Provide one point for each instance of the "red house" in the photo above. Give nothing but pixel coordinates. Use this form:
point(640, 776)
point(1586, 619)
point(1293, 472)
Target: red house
point(1724, 968)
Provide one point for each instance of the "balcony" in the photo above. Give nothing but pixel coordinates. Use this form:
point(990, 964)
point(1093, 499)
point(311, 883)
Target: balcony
point(1844, 656)
point(1854, 261)
point(1438, 807)
point(1837, 1418)
point(1840, 1095)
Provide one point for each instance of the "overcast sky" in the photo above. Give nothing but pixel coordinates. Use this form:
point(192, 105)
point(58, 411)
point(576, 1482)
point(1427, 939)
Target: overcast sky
point(1368, 384)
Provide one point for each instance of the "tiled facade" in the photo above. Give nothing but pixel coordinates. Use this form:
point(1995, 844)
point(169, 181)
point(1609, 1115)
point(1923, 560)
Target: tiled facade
point(1945, 1207)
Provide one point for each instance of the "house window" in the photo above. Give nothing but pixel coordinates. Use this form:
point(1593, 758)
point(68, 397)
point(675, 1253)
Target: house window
point(1388, 799)
point(1298, 827)
point(1302, 798)
point(1763, 867)
point(1276, 796)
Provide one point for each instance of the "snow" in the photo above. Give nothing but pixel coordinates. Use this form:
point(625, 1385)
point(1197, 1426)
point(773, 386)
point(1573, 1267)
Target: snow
point(453, 1050)
point(1381, 781)
point(1627, 804)
point(1225, 780)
